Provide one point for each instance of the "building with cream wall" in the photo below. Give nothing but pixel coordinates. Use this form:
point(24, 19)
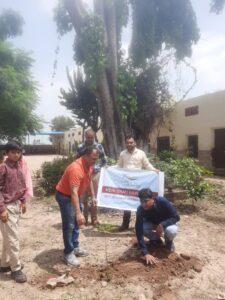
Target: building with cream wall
point(68, 142)
point(195, 126)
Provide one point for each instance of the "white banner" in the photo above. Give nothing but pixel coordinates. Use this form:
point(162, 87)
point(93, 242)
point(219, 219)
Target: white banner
point(118, 188)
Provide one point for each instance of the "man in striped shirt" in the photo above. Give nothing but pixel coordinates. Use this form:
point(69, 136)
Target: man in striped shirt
point(101, 162)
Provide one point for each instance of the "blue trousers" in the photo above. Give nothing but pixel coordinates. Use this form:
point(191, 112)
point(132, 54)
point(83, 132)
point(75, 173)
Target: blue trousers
point(70, 228)
point(169, 232)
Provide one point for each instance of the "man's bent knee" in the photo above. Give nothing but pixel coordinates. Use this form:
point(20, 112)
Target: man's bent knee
point(171, 232)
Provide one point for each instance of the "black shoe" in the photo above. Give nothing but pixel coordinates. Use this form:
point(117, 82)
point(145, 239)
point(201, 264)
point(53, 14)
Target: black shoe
point(5, 269)
point(170, 246)
point(8, 269)
point(123, 227)
point(19, 276)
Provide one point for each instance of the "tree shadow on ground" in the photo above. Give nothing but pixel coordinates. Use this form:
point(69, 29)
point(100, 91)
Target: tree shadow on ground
point(187, 208)
point(5, 277)
point(50, 260)
point(214, 219)
point(57, 226)
point(94, 232)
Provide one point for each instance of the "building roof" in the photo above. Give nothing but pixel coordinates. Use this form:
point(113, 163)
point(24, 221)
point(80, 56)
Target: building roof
point(50, 133)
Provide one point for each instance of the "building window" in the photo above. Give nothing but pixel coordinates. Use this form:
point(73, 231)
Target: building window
point(190, 111)
point(193, 146)
point(68, 135)
point(163, 144)
point(79, 133)
point(72, 134)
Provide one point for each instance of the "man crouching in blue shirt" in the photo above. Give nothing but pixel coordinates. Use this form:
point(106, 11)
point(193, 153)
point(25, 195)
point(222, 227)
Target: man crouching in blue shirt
point(155, 218)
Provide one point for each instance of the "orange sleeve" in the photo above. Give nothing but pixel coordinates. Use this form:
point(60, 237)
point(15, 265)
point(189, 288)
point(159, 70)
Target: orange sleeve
point(75, 178)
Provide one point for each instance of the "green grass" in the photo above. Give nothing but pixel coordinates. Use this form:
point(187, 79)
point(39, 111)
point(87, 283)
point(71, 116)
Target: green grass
point(106, 227)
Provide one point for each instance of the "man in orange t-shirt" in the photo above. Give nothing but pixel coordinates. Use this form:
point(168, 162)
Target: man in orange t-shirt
point(74, 182)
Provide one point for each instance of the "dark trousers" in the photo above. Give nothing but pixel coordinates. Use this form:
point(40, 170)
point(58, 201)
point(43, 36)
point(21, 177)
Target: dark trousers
point(126, 217)
point(70, 228)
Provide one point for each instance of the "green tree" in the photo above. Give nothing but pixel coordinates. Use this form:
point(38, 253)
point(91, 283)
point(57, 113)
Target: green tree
point(157, 26)
point(217, 6)
point(18, 90)
point(61, 123)
point(81, 101)
point(11, 24)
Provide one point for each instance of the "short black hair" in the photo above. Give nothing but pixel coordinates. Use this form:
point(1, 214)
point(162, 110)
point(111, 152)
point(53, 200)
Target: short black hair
point(145, 194)
point(13, 145)
point(129, 136)
point(90, 149)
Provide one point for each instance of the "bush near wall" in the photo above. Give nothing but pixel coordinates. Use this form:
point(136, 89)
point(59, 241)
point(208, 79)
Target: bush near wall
point(184, 173)
point(53, 171)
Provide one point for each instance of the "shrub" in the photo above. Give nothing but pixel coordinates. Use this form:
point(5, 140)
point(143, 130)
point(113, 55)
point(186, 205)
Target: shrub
point(111, 161)
point(167, 155)
point(186, 173)
point(53, 171)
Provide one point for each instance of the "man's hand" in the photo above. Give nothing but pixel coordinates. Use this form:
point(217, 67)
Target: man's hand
point(94, 201)
point(159, 230)
point(80, 219)
point(23, 208)
point(150, 259)
point(4, 216)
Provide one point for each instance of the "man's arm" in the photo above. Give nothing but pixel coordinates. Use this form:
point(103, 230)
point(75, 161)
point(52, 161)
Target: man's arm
point(171, 211)
point(3, 210)
point(139, 232)
point(140, 237)
point(102, 156)
point(2, 182)
point(76, 204)
point(147, 165)
point(93, 197)
point(120, 161)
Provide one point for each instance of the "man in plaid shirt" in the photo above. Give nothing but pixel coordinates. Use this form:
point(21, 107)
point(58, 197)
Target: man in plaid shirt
point(101, 162)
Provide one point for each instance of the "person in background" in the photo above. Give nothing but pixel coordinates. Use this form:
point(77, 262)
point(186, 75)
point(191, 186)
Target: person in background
point(12, 203)
point(2, 157)
point(156, 218)
point(28, 179)
point(134, 159)
point(101, 162)
point(74, 182)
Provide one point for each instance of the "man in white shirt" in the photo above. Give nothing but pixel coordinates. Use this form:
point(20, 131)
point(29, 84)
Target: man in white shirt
point(134, 159)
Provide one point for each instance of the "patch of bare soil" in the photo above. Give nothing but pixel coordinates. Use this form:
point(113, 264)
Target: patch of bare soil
point(131, 270)
point(114, 269)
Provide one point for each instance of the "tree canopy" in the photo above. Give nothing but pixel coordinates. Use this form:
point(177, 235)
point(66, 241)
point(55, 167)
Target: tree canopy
point(217, 6)
point(157, 26)
point(81, 101)
point(61, 123)
point(18, 90)
point(11, 24)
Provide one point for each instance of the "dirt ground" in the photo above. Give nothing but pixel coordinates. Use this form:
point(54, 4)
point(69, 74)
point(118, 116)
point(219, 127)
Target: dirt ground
point(114, 269)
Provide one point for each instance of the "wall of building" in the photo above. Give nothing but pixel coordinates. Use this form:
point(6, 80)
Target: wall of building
point(211, 116)
point(68, 142)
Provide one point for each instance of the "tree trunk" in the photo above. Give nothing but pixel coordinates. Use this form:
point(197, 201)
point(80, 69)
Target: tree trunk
point(112, 125)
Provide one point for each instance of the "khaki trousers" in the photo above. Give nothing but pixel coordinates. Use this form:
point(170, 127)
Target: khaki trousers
point(10, 239)
point(85, 198)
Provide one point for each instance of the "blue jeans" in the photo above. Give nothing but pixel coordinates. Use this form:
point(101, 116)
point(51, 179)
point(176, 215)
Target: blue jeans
point(70, 227)
point(169, 232)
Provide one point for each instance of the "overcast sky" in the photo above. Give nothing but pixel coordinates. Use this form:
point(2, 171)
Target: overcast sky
point(40, 38)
